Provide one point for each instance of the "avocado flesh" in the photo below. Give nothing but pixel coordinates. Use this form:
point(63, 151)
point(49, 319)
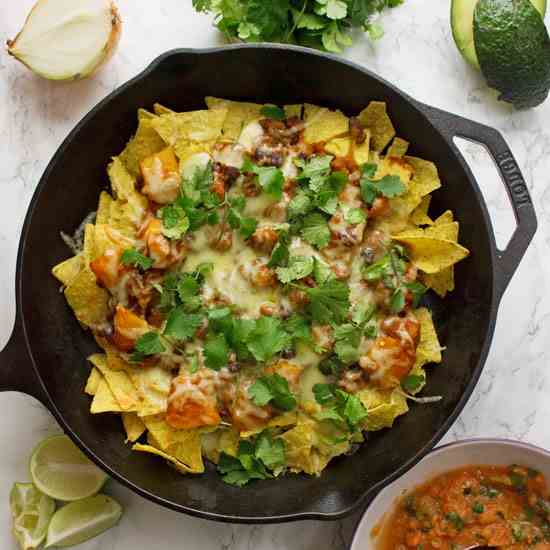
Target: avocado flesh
point(462, 25)
point(513, 49)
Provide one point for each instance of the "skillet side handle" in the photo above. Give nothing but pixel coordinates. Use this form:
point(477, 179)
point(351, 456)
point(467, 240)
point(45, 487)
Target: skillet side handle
point(508, 259)
point(16, 369)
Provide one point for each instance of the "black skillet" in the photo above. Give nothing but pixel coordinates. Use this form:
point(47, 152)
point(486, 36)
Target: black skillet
point(45, 356)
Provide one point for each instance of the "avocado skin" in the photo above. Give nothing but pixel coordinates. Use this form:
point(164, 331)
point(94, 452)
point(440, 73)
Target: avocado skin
point(513, 48)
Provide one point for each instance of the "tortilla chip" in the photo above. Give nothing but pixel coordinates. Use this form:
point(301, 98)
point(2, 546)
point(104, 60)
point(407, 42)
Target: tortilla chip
point(162, 110)
point(431, 255)
point(133, 426)
point(186, 149)
point(119, 383)
point(280, 421)
point(420, 213)
point(238, 115)
point(361, 153)
point(323, 124)
point(88, 248)
point(104, 400)
point(376, 119)
point(383, 407)
point(146, 142)
point(448, 231)
point(219, 441)
point(293, 110)
point(93, 382)
point(89, 302)
point(441, 282)
point(104, 208)
point(429, 348)
point(180, 466)
point(446, 217)
point(67, 271)
point(130, 205)
point(144, 114)
point(339, 147)
point(153, 387)
point(183, 445)
point(425, 178)
point(398, 147)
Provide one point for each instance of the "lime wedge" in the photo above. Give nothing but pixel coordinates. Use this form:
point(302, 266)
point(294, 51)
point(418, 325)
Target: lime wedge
point(60, 470)
point(79, 521)
point(31, 511)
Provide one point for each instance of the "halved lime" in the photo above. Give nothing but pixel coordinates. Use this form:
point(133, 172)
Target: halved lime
point(31, 511)
point(60, 470)
point(79, 521)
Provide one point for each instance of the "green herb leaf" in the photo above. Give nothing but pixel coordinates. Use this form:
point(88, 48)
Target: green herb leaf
point(132, 257)
point(369, 191)
point(216, 351)
point(276, 388)
point(267, 338)
point(478, 508)
point(298, 328)
point(391, 186)
point(331, 366)
point(329, 302)
point(182, 325)
point(354, 410)
point(298, 268)
point(456, 520)
point(315, 230)
point(413, 382)
point(347, 338)
point(397, 300)
point(322, 272)
point(270, 178)
point(175, 222)
point(273, 112)
point(335, 38)
point(299, 205)
point(146, 345)
point(417, 290)
point(324, 393)
point(355, 216)
point(333, 9)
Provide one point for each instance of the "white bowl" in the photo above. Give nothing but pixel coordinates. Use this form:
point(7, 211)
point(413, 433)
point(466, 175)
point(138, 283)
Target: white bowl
point(499, 452)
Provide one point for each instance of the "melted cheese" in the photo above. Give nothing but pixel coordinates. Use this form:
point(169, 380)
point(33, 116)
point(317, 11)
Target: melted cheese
point(251, 135)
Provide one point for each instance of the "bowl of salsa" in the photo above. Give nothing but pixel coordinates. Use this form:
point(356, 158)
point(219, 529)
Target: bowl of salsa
point(468, 494)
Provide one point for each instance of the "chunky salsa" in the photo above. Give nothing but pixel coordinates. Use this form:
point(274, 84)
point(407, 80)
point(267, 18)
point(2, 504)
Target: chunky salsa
point(254, 279)
point(502, 507)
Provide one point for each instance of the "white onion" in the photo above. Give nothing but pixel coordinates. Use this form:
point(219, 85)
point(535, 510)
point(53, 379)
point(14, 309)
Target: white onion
point(67, 39)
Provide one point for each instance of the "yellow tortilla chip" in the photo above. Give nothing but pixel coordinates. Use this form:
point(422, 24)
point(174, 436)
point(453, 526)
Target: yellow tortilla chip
point(133, 426)
point(183, 445)
point(93, 382)
point(185, 149)
point(146, 142)
point(119, 383)
point(420, 213)
point(88, 248)
point(429, 348)
point(376, 119)
point(446, 217)
point(67, 271)
point(238, 115)
point(180, 466)
point(383, 406)
point(293, 110)
point(425, 178)
point(132, 203)
point(398, 147)
point(144, 114)
point(447, 231)
point(153, 388)
point(323, 124)
point(89, 302)
point(104, 400)
point(339, 147)
point(282, 420)
point(441, 282)
point(361, 153)
point(162, 110)
point(431, 255)
point(219, 441)
point(104, 208)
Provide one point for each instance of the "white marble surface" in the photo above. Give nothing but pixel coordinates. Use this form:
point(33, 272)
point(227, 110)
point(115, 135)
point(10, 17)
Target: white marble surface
point(417, 54)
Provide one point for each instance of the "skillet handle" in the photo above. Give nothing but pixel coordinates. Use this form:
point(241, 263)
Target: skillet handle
point(16, 368)
point(451, 126)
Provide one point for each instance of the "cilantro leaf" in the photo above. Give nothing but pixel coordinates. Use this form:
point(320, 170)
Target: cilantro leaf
point(333, 9)
point(391, 186)
point(316, 169)
point(369, 170)
point(132, 257)
point(369, 191)
point(216, 351)
point(273, 112)
point(322, 272)
point(146, 345)
point(272, 389)
point(298, 268)
point(417, 290)
point(388, 186)
point(397, 300)
point(267, 338)
point(347, 339)
point(315, 230)
point(324, 393)
point(298, 328)
point(354, 411)
point(412, 382)
point(280, 254)
point(175, 222)
point(331, 366)
point(335, 37)
point(182, 325)
point(355, 215)
point(362, 313)
point(299, 205)
point(270, 178)
point(329, 302)
point(270, 451)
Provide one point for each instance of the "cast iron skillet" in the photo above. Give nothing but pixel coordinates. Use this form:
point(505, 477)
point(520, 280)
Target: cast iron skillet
point(45, 356)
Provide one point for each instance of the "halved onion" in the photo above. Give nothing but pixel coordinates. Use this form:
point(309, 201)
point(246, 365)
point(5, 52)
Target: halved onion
point(67, 39)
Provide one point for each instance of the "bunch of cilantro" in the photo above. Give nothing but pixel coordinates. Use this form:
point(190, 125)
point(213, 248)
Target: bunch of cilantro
point(322, 24)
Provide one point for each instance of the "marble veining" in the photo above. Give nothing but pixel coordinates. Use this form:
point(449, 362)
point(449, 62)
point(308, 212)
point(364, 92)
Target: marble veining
point(417, 53)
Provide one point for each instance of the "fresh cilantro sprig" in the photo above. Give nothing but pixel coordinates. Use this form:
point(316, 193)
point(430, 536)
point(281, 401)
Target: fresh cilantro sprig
point(148, 344)
point(270, 178)
point(175, 222)
point(135, 258)
point(388, 186)
point(329, 302)
point(323, 24)
point(260, 458)
point(343, 408)
point(245, 225)
point(298, 268)
point(272, 389)
point(273, 112)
